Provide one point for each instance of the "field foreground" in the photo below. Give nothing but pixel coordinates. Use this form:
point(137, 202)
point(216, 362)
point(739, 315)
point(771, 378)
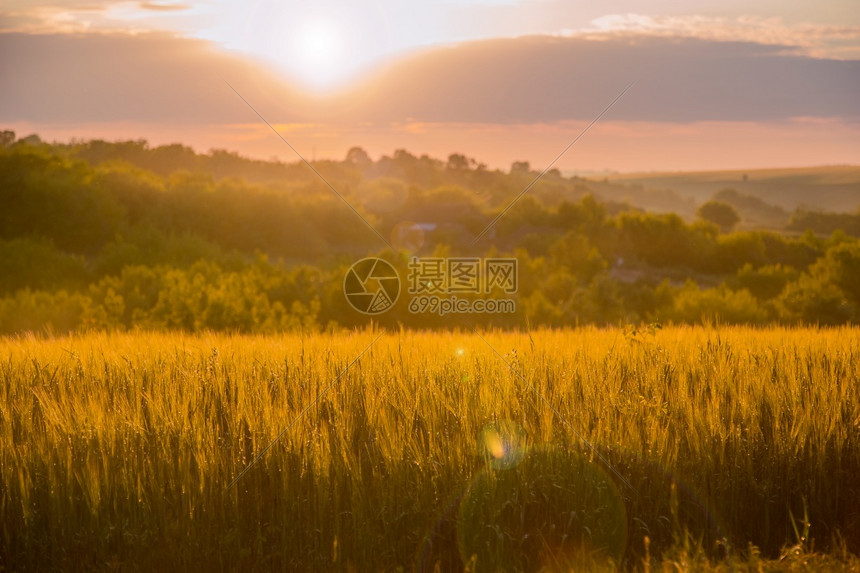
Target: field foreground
point(723, 448)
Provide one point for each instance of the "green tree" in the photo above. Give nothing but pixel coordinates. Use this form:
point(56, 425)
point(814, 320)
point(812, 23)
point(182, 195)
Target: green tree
point(586, 216)
point(38, 264)
point(7, 138)
point(813, 300)
point(575, 253)
point(694, 304)
point(765, 282)
point(458, 162)
point(520, 167)
point(721, 214)
point(665, 240)
point(840, 267)
point(358, 156)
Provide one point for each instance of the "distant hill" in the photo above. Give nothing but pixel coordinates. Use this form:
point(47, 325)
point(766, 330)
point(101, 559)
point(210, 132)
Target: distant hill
point(830, 188)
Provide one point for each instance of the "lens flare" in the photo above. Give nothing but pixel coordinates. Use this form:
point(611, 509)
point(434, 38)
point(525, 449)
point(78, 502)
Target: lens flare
point(503, 444)
point(556, 510)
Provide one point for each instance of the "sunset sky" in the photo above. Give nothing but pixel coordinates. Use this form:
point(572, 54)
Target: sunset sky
point(716, 83)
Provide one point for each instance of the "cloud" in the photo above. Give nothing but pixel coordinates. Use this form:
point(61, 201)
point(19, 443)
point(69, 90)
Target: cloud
point(71, 78)
point(541, 79)
point(69, 16)
point(818, 40)
point(546, 79)
point(163, 6)
point(88, 16)
point(696, 103)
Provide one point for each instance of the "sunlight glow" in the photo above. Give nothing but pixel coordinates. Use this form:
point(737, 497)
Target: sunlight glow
point(319, 46)
point(316, 51)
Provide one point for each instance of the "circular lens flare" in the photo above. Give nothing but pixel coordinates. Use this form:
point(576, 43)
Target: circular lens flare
point(556, 510)
point(503, 444)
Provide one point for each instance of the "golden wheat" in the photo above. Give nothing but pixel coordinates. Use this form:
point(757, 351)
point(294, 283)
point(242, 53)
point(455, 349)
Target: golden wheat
point(534, 450)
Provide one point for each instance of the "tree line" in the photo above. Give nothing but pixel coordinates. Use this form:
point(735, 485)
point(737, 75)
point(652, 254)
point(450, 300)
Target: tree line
point(121, 235)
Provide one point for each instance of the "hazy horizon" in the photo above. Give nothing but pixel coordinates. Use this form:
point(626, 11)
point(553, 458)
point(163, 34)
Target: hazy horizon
point(716, 85)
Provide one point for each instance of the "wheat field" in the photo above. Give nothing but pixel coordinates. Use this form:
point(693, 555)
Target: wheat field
point(682, 447)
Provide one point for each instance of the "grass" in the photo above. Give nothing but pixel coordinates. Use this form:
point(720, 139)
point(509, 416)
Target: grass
point(710, 449)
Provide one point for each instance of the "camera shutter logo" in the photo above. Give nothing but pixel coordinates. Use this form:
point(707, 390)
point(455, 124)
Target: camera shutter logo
point(371, 286)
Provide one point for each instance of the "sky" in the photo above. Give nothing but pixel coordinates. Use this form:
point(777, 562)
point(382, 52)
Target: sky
point(715, 83)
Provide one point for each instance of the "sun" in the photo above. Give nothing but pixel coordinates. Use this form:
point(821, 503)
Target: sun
point(316, 52)
point(318, 46)
point(317, 41)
